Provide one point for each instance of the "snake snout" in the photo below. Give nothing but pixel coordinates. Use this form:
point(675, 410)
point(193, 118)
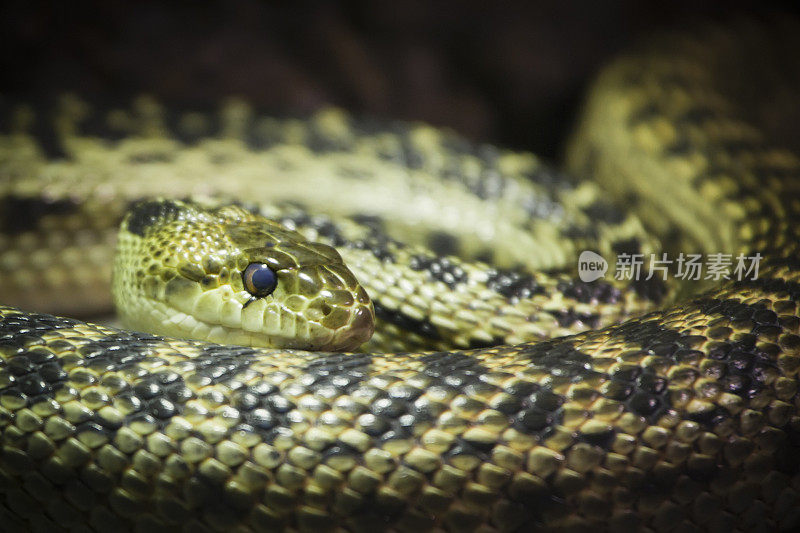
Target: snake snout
point(360, 330)
point(330, 304)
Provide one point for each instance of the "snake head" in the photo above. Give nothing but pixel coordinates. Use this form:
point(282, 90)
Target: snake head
point(225, 274)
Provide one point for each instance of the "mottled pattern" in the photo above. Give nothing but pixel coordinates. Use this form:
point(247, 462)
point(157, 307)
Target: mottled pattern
point(297, 166)
point(695, 405)
point(682, 419)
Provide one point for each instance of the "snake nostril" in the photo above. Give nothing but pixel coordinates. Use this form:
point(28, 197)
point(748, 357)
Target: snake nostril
point(326, 309)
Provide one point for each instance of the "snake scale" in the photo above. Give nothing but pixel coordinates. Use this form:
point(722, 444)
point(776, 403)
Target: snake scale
point(683, 418)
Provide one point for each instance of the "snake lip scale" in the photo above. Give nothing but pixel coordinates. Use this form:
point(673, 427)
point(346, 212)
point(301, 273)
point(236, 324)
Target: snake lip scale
point(498, 393)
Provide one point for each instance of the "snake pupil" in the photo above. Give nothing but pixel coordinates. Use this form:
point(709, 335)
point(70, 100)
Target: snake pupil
point(259, 280)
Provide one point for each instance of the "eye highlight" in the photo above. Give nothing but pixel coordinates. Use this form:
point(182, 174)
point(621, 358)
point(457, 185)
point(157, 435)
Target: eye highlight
point(259, 280)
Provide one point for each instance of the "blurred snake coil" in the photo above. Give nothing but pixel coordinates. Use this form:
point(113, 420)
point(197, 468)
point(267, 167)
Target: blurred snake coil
point(520, 398)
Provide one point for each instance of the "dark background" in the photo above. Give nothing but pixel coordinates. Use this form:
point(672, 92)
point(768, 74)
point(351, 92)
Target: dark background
point(507, 73)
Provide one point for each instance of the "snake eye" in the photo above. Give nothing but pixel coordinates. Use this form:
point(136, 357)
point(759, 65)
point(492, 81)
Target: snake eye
point(259, 280)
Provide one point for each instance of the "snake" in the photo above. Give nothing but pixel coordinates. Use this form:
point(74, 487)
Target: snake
point(392, 335)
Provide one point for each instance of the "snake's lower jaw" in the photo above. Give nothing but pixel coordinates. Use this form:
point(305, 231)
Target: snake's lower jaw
point(297, 332)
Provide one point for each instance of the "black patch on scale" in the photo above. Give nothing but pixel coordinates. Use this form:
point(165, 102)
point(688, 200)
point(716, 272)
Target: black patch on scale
point(118, 351)
point(538, 409)
point(513, 285)
point(576, 231)
point(442, 243)
point(653, 289)
point(730, 308)
point(341, 371)
point(160, 395)
point(561, 359)
point(222, 363)
point(373, 222)
point(34, 373)
point(681, 147)
point(423, 328)
point(747, 368)
point(601, 211)
point(378, 247)
point(595, 291)
point(377, 241)
point(145, 214)
point(651, 335)
point(569, 317)
point(19, 330)
point(772, 286)
point(47, 138)
point(697, 116)
point(455, 369)
point(480, 343)
point(143, 158)
point(627, 246)
point(645, 113)
point(323, 225)
point(19, 214)
point(439, 268)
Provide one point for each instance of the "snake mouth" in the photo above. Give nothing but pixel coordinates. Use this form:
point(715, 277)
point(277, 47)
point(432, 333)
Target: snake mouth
point(290, 331)
point(335, 318)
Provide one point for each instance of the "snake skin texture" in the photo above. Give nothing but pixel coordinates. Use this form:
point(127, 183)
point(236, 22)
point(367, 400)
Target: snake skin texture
point(682, 419)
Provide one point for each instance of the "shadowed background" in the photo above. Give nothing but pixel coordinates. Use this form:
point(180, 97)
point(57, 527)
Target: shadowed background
point(500, 72)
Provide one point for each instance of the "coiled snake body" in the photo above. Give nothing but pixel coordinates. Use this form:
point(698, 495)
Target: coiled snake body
point(685, 418)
